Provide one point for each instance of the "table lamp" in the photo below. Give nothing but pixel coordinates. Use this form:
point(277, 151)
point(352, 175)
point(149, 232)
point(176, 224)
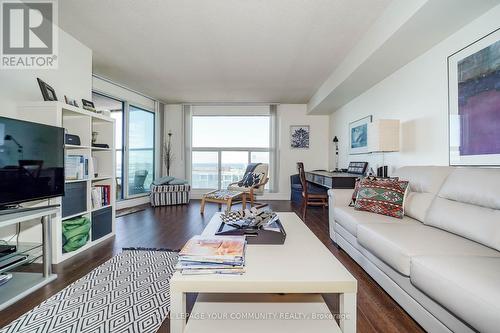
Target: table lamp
point(336, 142)
point(383, 137)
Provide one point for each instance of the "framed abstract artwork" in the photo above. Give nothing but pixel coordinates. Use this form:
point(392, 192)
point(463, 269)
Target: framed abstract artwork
point(358, 136)
point(299, 136)
point(474, 103)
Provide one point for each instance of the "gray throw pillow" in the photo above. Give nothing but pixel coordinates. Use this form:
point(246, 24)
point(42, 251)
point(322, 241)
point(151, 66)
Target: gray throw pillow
point(178, 181)
point(163, 180)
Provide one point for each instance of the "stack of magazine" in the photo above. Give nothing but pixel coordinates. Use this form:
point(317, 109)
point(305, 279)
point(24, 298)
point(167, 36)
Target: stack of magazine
point(213, 255)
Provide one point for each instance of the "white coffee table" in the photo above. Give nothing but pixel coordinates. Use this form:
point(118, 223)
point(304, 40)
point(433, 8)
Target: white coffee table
point(303, 265)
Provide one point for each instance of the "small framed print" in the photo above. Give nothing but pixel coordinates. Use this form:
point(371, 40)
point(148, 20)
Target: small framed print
point(88, 105)
point(299, 136)
point(48, 93)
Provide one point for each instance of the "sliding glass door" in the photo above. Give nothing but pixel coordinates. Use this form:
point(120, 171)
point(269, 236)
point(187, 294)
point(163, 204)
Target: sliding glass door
point(135, 145)
point(141, 146)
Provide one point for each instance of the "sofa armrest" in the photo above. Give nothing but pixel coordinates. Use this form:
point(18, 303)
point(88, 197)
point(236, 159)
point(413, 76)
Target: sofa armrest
point(339, 197)
point(336, 198)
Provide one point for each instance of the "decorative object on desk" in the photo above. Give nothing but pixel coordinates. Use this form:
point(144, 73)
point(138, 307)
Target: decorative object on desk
point(383, 136)
point(70, 101)
point(474, 103)
point(168, 155)
point(72, 139)
point(336, 143)
point(88, 105)
point(94, 137)
point(299, 136)
point(98, 290)
point(358, 136)
point(358, 168)
point(48, 93)
point(382, 196)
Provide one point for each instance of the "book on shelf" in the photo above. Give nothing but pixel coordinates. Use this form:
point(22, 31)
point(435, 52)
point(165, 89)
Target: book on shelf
point(76, 167)
point(101, 196)
point(213, 255)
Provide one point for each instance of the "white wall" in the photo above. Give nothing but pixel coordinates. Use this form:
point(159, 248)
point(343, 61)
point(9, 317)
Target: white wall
point(73, 77)
point(316, 157)
point(417, 95)
point(173, 122)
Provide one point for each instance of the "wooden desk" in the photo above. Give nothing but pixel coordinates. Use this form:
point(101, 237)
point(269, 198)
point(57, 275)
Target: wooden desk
point(332, 179)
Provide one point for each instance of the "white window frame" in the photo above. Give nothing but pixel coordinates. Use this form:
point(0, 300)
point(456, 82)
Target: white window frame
point(190, 149)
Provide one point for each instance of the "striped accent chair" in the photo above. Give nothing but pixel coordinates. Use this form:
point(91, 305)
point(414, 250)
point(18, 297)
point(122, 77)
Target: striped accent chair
point(169, 195)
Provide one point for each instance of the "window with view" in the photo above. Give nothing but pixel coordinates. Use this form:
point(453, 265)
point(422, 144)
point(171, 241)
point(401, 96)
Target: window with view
point(222, 147)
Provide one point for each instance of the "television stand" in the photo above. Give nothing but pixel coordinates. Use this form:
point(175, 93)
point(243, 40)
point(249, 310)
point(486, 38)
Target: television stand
point(24, 283)
point(5, 210)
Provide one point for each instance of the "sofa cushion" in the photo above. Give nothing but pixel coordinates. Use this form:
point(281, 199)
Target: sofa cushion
point(467, 286)
point(425, 182)
point(396, 244)
point(350, 218)
point(468, 204)
point(380, 196)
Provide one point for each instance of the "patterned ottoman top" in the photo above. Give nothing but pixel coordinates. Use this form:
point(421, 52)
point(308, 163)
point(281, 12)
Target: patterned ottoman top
point(222, 194)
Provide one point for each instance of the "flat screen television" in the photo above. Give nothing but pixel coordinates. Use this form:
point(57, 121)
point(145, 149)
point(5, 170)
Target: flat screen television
point(31, 161)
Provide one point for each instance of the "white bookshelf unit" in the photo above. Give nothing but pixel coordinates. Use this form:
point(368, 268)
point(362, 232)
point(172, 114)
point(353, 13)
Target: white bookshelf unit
point(81, 122)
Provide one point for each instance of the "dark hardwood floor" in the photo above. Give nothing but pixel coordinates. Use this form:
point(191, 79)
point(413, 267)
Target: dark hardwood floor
point(171, 227)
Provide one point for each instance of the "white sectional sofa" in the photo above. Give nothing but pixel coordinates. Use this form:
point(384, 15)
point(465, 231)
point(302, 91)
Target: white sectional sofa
point(441, 262)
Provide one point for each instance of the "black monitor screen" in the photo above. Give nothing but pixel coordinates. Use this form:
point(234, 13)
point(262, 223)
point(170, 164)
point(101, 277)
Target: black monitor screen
point(31, 161)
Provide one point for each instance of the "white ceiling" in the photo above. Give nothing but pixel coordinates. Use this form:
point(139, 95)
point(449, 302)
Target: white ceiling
point(219, 50)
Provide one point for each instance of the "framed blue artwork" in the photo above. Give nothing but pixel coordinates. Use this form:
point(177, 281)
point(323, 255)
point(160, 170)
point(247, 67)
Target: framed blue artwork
point(358, 136)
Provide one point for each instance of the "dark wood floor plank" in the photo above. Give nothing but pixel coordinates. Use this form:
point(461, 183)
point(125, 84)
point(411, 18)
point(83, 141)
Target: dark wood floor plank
point(171, 227)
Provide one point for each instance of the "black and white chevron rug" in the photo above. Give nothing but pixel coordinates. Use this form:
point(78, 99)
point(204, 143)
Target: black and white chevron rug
point(128, 293)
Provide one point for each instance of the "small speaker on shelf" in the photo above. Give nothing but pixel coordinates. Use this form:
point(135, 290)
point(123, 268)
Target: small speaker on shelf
point(71, 139)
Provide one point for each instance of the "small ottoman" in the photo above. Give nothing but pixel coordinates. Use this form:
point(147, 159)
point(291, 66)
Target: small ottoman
point(220, 197)
point(169, 195)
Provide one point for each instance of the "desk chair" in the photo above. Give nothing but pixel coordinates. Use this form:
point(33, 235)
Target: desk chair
point(310, 196)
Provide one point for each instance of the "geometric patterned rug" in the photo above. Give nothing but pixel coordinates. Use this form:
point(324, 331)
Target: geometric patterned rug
point(128, 293)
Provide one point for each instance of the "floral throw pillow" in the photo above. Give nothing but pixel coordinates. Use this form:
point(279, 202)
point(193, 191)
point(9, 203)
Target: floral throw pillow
point(367, 178)
point(251, 179)
point(382, 196)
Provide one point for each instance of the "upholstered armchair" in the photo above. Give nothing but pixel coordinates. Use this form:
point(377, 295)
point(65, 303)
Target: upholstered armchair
point(253, 182)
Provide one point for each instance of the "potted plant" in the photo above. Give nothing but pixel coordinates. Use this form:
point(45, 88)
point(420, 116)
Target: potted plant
point(167, 153)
